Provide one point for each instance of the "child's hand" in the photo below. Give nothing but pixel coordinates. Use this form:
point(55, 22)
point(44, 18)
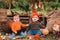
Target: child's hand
point(41, 30)
point(15, 32)
point(27, 24)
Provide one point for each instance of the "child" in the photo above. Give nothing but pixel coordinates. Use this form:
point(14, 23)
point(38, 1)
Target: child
point(34, 29)
point(16, 26)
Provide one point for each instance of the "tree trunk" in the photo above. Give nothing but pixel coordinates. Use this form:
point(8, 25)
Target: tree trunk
point(9, 6)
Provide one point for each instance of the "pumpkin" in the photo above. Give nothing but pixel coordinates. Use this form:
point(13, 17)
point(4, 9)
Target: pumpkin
point(45, 31)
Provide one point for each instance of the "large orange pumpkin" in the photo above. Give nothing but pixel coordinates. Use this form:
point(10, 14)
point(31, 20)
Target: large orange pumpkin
point(45, 31)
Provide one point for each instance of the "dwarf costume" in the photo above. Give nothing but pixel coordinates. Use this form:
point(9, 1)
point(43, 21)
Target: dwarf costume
point(34, 27)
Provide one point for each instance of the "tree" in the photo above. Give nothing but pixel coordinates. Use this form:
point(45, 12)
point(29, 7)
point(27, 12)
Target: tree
point(8, 3)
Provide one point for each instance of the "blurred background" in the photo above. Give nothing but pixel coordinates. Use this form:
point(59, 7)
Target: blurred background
point(21, 6)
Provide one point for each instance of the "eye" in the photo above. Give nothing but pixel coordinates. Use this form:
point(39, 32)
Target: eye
point(36, 17)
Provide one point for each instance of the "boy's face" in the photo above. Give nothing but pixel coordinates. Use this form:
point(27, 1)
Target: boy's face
point(16, 18)
point(35, 18)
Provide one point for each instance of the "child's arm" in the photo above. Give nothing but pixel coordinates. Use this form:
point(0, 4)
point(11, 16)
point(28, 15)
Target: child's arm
point(41, 25)
point(24, 25)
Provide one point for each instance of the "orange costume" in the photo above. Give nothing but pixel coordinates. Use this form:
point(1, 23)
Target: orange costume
point(16, 26)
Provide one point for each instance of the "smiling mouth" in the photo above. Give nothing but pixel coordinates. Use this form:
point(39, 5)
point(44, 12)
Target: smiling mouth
point(34, 19)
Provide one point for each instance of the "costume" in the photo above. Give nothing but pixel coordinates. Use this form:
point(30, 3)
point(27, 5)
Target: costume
point(34, 28)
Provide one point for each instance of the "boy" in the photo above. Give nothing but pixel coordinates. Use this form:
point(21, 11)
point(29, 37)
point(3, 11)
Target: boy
point(35, 25)
point(17, 26)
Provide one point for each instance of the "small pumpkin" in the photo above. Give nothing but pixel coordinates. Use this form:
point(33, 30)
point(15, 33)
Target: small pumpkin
point(45, 31)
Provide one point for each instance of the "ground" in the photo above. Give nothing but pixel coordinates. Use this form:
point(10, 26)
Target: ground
point(48, 37)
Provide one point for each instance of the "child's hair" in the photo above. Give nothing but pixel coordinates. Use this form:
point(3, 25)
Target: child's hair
point(16, 15)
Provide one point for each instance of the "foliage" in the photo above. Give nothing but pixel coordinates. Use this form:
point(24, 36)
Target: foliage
point(8, 3)
point(1, 5)
point(49, 5)
point(22, 5)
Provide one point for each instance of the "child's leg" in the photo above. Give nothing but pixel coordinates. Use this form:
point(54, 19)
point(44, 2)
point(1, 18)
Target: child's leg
point(38, 33)
point(29, 33)
point(13, 35)
point(22, 34)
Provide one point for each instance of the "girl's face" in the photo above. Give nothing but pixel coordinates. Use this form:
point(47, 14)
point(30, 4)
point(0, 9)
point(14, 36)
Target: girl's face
point(16, 18)
point(35, 18)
